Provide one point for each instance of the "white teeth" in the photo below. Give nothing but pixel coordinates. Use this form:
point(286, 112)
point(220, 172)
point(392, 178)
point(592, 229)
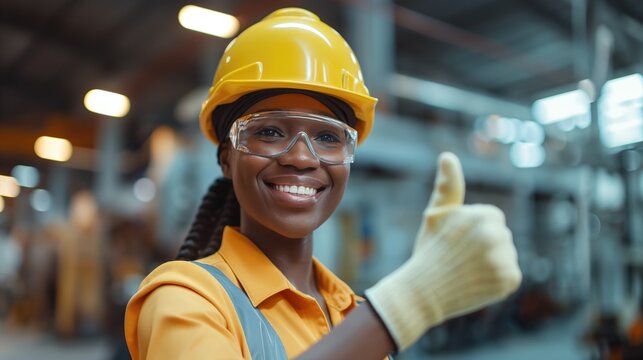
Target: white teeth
point(294, 189)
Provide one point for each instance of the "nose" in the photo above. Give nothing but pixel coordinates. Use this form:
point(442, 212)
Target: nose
point(300, 155)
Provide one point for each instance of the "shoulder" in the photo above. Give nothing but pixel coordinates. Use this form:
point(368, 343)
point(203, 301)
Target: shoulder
point(181, 300)
point(183, 277)
point(175, 292)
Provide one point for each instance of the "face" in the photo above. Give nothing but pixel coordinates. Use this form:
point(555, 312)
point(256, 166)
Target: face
point(264, 187)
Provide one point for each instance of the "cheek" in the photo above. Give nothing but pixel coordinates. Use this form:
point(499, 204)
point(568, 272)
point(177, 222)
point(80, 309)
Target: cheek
point(244, 171)
point(340, 175)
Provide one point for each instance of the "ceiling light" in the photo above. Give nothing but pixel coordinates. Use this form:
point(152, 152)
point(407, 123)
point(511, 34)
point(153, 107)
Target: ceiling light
point(52, 148)
point(40, 200)
point(625, 88)
point(532, 132)
point(27, 176)
point(527, 155)
point(107, 103)
point(565, 106)
point(620, 111)
point(208, 21)
point(9, 186)
point(506, 129)
point(144, 189)
point(499, 128)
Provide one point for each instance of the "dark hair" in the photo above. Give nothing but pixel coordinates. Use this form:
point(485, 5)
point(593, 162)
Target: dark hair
point(219, 208)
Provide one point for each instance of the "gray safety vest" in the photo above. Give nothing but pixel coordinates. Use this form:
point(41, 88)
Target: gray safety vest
point(262, 339)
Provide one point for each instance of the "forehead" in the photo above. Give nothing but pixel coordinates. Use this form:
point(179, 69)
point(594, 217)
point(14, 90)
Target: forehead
point(293, 102)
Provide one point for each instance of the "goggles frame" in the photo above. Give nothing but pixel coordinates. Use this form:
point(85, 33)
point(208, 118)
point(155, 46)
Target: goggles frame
point(241, 124)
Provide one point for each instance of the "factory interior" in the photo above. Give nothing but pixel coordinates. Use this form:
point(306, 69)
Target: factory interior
point(541, 100)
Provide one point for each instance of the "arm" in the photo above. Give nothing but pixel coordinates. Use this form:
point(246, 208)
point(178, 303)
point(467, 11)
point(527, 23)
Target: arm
point(362, 335)
point(464, 259)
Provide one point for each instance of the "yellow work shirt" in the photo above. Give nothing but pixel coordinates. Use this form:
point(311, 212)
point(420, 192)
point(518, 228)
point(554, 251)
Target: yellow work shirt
point(182, 312)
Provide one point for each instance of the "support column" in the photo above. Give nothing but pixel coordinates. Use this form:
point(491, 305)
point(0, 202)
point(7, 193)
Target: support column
point(582, 247)
point(371, 34)
point(631, 165)
point(109, 143)
point(523, 217)
point(59, 190)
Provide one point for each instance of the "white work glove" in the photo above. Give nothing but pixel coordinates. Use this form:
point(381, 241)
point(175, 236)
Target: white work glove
point(464, 259)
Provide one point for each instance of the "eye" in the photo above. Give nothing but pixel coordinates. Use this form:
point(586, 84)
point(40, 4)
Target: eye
point(268, 132)
point(328, 138)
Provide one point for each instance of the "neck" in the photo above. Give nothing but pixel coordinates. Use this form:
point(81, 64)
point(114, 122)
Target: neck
point(293, 257)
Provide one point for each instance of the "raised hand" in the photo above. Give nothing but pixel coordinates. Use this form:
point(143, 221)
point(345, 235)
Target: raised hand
point(464, 259)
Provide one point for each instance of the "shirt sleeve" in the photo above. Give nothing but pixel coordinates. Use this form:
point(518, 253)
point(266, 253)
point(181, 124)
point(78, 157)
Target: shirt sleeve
point(177, 323)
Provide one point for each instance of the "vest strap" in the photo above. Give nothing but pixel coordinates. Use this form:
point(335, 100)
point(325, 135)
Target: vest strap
point(261, 337)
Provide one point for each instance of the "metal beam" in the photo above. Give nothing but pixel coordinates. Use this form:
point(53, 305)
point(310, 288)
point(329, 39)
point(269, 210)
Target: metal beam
point(46, 31)
point(455, 99)
point(85, 51)
point(554, 17)
point(34, 91)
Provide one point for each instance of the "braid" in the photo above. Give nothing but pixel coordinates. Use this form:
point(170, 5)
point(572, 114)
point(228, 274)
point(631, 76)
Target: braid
point(229, 215)
point(218, 208)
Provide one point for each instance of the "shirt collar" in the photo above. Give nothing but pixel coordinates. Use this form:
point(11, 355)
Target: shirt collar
point(258, 276)
point(261, 279)
point(336, 292)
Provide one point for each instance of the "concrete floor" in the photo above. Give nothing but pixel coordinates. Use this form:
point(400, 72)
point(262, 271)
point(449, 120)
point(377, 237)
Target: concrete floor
point(24, 344)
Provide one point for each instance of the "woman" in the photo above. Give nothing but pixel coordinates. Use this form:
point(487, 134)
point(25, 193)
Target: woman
point(287, 108)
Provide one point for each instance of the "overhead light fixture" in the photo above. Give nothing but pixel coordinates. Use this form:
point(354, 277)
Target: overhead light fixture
point(52, 148)
point(509, 130)
point(40, 200)
point(502, 129)
point(532, 132)
point(107, 103)
point(620, 111)
point(9, 186)
point(144, 189)
point(526, 155)
point(208, 21)
point(27, 176)
point(569, 106)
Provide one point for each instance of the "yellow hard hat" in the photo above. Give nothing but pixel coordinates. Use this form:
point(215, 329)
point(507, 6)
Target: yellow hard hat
point(290, 48)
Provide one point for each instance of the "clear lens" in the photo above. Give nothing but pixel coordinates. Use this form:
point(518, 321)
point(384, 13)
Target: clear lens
point(273, 133)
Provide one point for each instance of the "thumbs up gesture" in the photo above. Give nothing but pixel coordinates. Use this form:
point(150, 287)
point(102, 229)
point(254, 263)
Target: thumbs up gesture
point(463, 259)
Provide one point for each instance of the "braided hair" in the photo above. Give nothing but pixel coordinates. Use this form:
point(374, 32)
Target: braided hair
point(218, 209)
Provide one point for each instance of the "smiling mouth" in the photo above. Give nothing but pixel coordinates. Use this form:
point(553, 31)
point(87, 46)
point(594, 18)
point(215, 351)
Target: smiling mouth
point(296, 189)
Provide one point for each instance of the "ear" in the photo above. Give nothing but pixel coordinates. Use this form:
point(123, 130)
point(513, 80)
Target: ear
point(224, 160)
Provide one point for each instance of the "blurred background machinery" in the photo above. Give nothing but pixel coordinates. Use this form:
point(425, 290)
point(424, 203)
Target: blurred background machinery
point(102, 164)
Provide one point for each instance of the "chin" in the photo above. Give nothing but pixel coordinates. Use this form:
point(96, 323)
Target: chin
point(295, 229)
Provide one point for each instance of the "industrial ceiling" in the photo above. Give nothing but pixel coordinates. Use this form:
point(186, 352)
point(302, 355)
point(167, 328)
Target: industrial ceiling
point(54, 51)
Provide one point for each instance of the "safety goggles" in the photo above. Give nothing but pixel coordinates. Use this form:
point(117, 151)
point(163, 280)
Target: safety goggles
point(271, 134)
